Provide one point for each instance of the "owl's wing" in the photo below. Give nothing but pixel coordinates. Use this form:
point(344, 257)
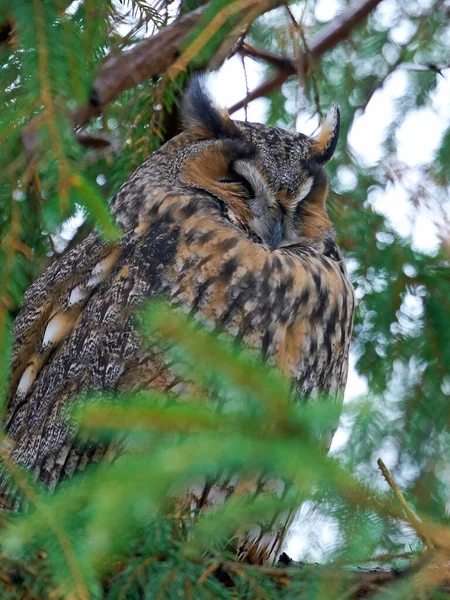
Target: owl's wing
point(46, 369)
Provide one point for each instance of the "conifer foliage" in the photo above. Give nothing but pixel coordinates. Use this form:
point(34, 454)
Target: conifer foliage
point(89, 89)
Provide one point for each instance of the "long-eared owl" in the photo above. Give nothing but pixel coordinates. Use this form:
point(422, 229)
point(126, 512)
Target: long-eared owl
point(229, 219)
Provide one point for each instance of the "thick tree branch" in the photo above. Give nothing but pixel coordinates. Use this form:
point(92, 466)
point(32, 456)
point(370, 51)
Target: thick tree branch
point(155, 56)
point(351, 582)
point(330, 35)
point(166, 51)
point(149, 58)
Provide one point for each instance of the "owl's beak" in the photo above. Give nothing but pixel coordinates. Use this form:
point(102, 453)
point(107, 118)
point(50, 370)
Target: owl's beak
point(276, 234)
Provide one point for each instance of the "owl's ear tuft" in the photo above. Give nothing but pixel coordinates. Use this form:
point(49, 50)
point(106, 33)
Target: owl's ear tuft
point(325, 141)
point(201, 117)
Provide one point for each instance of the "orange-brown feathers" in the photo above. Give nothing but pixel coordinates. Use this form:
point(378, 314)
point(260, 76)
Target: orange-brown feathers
point(209, 171)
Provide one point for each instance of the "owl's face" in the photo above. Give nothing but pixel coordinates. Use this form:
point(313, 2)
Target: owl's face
point(272, 181)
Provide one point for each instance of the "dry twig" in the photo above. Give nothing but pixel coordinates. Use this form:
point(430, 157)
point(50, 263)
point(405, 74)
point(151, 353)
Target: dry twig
point(415, 522)
point(326, 39)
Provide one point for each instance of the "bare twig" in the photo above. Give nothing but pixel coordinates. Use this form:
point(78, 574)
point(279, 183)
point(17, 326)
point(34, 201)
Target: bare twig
point(326, 39)
point(98, 141)
point(415, 522)
point(244, 68)
point(271, 84)
point(378, 558)
point(281, 62)
point(306, 63)
point(427, 67)
point(379, 83)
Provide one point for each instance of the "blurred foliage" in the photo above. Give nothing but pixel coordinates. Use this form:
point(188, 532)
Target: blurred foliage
point(112, 532)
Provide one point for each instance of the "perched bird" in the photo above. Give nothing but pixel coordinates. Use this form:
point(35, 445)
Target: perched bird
point(229, 219)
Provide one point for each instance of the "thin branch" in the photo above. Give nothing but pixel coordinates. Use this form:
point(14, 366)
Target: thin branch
point(306, 62)
point(415, 522)
point(324, 40)
point(98, 141)
point(427, 67)
point(271, 84)
point(281, 62)
point(244, 68)
point(379, 83)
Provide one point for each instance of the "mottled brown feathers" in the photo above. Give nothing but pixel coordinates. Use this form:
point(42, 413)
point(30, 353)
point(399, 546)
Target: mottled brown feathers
point(210, 171)
point(228, 219)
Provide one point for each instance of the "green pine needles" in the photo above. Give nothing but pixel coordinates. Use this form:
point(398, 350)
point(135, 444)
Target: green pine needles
point(123, 516)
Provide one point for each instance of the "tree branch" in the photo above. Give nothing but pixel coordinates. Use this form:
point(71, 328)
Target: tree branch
point(156, 55)
point(353, 582)
point(413, 519)
point(150, 58)
point(330, 35)
point(153, 57)
point(281, 62)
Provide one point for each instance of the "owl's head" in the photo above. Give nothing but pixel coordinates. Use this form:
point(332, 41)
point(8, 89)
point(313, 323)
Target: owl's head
point(272, 179)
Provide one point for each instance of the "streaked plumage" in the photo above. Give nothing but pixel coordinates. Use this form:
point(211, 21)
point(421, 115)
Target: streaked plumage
point(227, 218)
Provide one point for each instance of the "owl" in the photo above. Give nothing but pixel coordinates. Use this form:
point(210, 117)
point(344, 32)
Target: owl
point(228, 219)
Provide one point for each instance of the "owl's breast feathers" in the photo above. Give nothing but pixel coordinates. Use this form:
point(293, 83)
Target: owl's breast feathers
point(76, 329)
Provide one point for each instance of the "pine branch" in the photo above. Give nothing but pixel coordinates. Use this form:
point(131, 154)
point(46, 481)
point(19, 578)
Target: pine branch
point(151, 58)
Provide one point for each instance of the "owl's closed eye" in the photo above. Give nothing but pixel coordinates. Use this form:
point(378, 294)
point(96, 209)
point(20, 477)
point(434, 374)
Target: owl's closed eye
point(274, 181)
